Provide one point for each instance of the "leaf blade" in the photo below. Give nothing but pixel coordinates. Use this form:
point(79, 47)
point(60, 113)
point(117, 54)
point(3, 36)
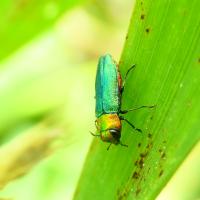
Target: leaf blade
point(163, 41)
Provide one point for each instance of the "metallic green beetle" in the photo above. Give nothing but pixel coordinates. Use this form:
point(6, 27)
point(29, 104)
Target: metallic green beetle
point(109, 88)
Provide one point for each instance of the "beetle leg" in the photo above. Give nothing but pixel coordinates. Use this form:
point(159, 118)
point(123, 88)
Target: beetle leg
point(137, 129)
point(124, 81)
point(109, 146)
point(124, 145)
point(132, 109)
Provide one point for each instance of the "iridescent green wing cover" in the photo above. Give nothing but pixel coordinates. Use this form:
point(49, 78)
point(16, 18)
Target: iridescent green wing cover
point(107, 86)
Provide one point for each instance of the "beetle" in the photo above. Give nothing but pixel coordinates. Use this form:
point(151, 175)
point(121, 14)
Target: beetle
point(109, 88)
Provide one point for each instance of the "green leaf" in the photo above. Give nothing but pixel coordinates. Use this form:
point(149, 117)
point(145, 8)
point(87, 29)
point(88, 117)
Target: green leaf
point(22, 20)
point(32, 85)
point(164, 42)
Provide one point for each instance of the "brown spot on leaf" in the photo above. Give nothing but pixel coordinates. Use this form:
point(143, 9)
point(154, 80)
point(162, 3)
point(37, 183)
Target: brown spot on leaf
point(163, 155)
point(138, 191)
point(136, 163)
point(135, 175)
point(119, 195)
point(141, 163)
point(161, 173)
point(142, 16)
point(122, 194)
point(149, 145)
point(147, 30)
point(143, 155)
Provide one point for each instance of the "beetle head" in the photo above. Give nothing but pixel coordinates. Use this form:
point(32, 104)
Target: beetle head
point(109, 128)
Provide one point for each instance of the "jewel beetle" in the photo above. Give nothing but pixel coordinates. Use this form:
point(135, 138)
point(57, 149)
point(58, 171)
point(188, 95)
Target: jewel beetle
point(109, 88)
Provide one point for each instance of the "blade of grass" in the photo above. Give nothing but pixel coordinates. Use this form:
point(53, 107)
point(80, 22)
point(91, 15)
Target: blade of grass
point(163, 41)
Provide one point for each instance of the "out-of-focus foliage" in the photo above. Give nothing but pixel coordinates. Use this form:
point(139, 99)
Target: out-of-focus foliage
point(21, 20)
point(44, 113)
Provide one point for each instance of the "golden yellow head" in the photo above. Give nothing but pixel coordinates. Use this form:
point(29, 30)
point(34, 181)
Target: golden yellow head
point(109, 128)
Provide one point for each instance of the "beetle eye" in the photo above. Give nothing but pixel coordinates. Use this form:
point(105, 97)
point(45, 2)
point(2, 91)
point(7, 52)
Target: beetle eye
point(113, 131)
point(115, 134)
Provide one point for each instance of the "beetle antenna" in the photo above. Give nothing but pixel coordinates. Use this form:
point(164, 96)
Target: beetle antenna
point(94, 134)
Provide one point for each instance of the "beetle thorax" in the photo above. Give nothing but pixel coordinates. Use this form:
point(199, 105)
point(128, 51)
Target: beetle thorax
point(107, 121)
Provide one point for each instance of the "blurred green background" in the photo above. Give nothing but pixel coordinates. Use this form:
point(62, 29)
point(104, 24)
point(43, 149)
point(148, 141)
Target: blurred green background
point(48, 56)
